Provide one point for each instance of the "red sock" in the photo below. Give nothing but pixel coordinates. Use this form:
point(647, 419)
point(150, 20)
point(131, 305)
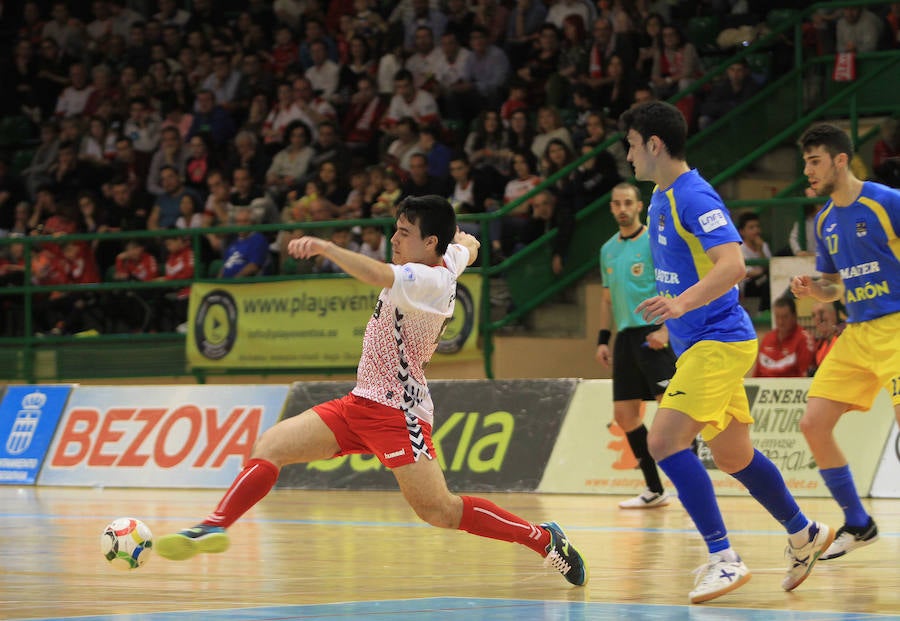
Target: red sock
point(483, 518)
point(251, 485)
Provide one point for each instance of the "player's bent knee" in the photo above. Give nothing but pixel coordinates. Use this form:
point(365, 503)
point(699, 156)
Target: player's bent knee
point(442, 512)
point(436, 515)
point(659, 446)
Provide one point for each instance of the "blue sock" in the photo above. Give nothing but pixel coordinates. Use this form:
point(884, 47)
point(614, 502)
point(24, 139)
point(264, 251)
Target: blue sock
point(840, 484)
point(695, 491)
point(764, 482)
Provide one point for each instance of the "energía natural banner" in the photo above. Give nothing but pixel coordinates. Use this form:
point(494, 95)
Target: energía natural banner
point(606, 464)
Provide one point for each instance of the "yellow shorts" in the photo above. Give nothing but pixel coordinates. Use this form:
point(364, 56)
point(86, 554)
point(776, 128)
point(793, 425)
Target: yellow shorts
point(708, 384)
point(865, 358)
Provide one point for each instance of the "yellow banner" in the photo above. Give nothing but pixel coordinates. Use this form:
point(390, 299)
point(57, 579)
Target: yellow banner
point(607, 466)
point(303, 323)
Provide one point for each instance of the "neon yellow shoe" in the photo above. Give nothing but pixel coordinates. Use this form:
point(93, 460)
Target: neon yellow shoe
point(192, 541)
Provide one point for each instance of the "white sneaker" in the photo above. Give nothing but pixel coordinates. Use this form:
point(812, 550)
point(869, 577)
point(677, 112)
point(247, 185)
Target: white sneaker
point(803, 558)
point(717, 577)
point(850, 538)
point(645, 500)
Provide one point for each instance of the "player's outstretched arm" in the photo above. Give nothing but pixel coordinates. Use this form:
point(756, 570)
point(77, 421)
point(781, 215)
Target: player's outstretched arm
point(359, 266)
point(469, 242)
point(727, 271)
point(827, 289)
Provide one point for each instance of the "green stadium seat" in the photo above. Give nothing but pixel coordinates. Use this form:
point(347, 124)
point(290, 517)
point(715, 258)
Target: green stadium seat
point(214, 266)
point(15, 131)
point(702, 31)
point(777, 17)
point(288, 266)
point(760, 65)
point(22, 160)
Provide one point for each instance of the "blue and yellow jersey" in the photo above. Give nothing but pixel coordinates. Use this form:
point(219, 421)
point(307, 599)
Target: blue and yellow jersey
point(860, 243)
point(627, 269)
point(685, 220)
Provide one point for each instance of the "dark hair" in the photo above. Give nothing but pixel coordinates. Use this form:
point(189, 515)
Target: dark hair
point(403, 74)
point(786, 301)
point(434, 216)
point(570, 156)
point(297, 124)
point(745, 218)
point(527, 155)
point(459, 156)
point(478, 29)
point(660, 119)
point(834, 139)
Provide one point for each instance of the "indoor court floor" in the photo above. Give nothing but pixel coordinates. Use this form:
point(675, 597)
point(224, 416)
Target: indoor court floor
point(302, 555)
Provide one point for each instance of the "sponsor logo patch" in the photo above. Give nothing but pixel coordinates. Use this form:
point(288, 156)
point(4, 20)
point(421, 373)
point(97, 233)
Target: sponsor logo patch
point(712, 220)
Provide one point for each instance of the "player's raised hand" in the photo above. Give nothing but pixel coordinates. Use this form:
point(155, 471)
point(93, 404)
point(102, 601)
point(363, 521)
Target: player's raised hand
point(801, 286)
point(461, 237)
point(306, 247)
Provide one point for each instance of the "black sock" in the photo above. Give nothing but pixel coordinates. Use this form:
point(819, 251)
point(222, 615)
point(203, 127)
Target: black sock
point(637, 440)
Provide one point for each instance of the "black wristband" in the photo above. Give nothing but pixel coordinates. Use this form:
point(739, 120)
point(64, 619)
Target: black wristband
point(603, 337)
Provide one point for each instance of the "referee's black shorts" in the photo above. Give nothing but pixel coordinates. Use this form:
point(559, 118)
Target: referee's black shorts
point(638, 371)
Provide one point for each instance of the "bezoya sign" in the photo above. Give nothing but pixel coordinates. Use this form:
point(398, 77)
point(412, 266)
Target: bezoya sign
point(159, 436)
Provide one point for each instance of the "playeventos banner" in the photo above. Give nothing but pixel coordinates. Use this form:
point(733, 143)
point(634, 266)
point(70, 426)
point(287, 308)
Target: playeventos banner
point(607, 466)
point(159, 436)
point(303, 323)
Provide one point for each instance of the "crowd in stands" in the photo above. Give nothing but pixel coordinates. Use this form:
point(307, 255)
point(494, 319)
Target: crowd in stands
point(160, 115)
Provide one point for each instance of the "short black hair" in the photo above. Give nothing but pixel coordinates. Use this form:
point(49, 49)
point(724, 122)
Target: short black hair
point(660, 119)
point(834, 139)
point(434, 216)
point(786, 301)
point(745, 218)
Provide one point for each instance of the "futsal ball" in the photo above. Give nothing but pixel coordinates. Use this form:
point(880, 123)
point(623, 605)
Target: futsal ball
point(126, 543)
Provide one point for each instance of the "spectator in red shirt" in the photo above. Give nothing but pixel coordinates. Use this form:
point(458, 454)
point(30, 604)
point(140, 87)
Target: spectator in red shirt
point(827, 327)
point(172, 309)
point(49, 268)
point(133, 310)
point(786, 351)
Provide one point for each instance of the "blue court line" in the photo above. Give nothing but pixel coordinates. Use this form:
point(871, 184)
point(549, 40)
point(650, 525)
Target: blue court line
point(484, 609)
point(370, 524)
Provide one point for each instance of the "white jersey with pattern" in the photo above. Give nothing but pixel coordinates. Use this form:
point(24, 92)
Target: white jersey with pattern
point(404, 331)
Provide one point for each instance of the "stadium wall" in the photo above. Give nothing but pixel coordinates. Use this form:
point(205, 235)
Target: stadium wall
point(525, 435)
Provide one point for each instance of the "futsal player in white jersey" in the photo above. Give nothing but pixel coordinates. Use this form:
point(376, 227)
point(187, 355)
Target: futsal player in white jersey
point(389, 413)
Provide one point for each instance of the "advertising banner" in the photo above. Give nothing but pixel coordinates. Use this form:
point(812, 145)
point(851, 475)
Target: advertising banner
point(159, 436)
point(606, 464)
point(28, 418)
point(488, 436)
point(303, 323)
point(887, 479)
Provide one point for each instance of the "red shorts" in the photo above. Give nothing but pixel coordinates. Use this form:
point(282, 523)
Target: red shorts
point(363, 426)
